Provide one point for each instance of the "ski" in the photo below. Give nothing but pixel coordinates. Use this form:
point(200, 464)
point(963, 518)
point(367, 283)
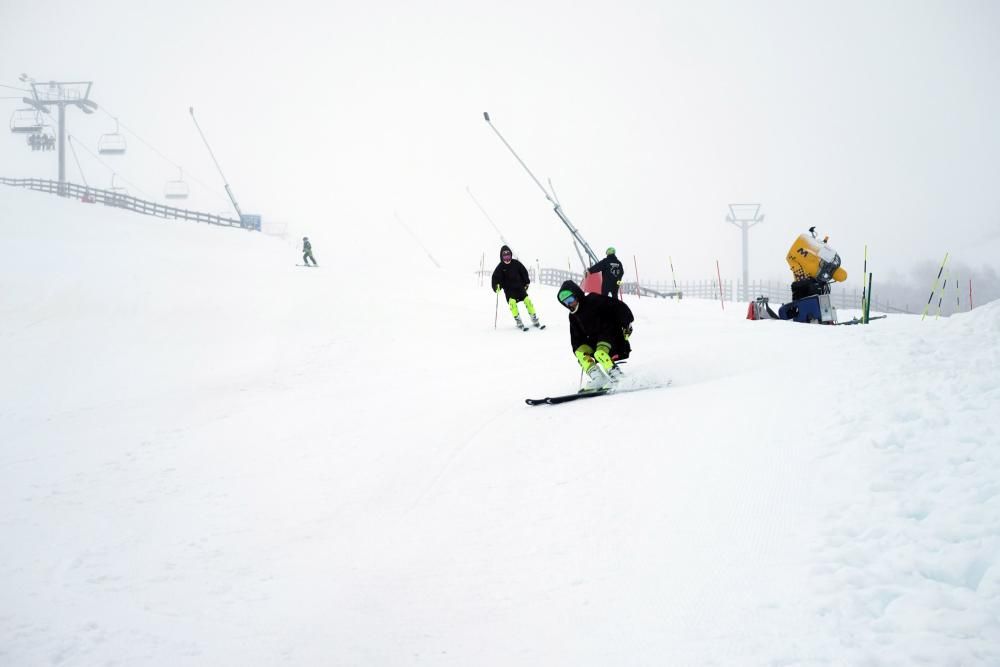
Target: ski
point(860, 321)
point(566, 398)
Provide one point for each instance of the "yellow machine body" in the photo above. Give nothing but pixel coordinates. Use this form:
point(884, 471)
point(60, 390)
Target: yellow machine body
point(811, 258)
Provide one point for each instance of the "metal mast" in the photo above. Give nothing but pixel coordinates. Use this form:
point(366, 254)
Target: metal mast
point(60, 94)
point(557, 208)
point(745, 216)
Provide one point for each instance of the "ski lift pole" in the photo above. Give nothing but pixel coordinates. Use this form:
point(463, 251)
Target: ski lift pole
point(229, 190)
point(557, 208)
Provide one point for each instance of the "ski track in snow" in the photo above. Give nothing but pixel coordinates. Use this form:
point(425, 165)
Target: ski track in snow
point(211, 457)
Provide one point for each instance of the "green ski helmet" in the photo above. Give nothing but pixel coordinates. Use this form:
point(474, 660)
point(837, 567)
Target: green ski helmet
point(610, 251)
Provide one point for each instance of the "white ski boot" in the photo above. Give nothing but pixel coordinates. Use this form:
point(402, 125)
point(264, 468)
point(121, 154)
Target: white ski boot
point(615, 374)
point(596, 378)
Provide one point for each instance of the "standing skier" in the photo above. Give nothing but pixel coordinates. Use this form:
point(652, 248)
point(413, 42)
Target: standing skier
point(612, 273)
point(511, 277)
point(307, 252)
point(599, 329)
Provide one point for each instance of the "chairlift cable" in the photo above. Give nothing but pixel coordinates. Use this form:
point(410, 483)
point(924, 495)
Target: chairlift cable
point(77, 159)
point(148, 145)
point(114, 171)
point(23, 90)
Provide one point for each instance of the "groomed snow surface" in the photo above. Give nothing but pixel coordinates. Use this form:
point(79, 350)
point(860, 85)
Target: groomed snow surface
point(211, 456)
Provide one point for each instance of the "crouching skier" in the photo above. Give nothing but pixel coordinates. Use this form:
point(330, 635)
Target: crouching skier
point(511, 276)
point(599, 329)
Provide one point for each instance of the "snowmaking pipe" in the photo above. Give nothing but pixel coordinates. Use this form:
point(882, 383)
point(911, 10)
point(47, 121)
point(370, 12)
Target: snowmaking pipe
point(414, 237)
point(229, 190)
point(576, 246)
point(556, 207)
point(487, 215)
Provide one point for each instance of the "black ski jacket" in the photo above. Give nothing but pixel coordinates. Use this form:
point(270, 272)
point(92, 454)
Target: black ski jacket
point(599, 318)
point(513, 278)
point(611, 272)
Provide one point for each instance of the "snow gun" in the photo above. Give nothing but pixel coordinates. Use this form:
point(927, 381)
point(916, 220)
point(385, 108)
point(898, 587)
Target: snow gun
point(814, 265)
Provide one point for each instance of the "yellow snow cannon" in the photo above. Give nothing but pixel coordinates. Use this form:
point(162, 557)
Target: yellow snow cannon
point(815, 265)
point(811, 258)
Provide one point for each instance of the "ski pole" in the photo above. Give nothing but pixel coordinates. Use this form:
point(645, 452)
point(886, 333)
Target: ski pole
point(496, 310)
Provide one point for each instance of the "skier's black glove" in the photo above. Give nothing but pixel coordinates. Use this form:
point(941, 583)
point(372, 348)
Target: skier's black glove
point(627, 331)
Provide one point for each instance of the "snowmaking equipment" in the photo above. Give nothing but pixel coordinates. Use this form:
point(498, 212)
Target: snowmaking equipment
point(593, 282)
point(815, 265)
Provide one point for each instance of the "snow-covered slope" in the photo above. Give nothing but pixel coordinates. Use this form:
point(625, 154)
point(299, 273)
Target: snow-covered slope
point(210, 456)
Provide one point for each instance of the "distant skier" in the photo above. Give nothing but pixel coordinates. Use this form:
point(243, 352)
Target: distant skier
point(511, 277)
point(612, 272)
point(307, 252)
point(599, 329)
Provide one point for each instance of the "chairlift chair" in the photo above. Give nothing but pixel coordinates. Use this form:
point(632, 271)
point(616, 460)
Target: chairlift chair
point(118, 190)
point(177, 189)
point(112, 143)
point(26, 121)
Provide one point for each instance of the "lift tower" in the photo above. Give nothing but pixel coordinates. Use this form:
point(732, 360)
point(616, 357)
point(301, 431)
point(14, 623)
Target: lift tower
point(60, 94)
point(745, 216)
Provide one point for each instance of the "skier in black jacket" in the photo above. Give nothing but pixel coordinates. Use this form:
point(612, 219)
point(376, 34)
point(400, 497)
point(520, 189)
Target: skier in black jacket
point(612, 272)
point(511, 277)
point(599, 329)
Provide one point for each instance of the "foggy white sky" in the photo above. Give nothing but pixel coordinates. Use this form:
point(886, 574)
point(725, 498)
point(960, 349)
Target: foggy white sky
point(875, 121)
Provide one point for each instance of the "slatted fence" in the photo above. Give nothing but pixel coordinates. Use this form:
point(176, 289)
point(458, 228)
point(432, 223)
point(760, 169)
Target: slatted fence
point(128, 202)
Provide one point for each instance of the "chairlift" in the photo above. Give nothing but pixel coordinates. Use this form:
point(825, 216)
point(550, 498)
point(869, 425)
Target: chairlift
point(118, 190)
point(177, 189)
point(26, 121)
point(43, 140)
point(112, 143)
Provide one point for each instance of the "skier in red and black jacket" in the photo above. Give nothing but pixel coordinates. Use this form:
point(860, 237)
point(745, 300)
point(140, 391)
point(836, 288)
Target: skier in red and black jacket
point(612, 273)
point(511, 277)
point(599, 330)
